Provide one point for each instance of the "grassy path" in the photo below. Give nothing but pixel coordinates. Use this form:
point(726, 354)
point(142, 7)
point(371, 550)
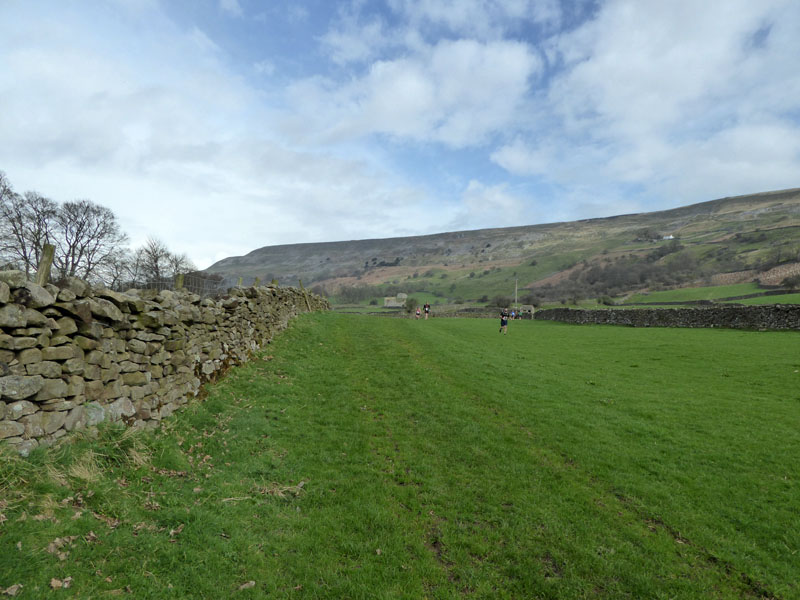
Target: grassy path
point(387, 458)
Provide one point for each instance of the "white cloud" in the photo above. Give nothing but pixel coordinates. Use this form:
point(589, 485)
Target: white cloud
point(232, 7)
point(264, 67)
point(480, 19)
point(680, 97)
point(355, 42)
point(484, 206)
point(178, 146)
point(455, 92)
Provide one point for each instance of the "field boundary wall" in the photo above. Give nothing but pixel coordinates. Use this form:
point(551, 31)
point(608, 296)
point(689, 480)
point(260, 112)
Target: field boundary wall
point(776, 316)
point(72, 357)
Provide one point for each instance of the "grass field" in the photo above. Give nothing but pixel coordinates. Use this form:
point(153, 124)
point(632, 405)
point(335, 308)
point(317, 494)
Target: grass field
point(697, 293)
point(395, 458)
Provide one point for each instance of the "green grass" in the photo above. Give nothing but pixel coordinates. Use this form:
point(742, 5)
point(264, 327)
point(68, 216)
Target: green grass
point(697, 293)
point(394, 458)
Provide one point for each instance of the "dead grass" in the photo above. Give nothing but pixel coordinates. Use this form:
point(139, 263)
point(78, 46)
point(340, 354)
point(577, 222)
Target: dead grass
point(281, 491)
point(86, 468)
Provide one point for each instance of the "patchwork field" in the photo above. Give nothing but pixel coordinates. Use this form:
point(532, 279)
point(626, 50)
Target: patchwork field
point(393, 458)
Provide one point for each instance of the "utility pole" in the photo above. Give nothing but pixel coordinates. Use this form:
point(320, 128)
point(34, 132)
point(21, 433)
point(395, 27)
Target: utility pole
point(516, 305)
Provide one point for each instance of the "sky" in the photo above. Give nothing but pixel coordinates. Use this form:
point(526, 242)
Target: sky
point(222, 126)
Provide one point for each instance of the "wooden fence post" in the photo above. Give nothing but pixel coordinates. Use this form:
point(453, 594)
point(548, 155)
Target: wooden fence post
point(239, 284)
point(257, 282)
point(179, 281)
point(305, 295)
point(43, 272)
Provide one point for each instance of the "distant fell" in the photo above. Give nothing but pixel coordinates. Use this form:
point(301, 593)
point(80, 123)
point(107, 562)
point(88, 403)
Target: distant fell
point(732, 234)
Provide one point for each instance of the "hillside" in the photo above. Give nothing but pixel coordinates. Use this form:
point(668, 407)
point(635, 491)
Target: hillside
point(735, 239)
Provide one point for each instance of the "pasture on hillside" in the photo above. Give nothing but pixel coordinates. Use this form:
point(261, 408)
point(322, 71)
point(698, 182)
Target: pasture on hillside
point(365, 457)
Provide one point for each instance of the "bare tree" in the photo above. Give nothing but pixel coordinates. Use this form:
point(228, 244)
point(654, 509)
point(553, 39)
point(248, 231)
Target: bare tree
point(154, 260)
point(179, 263)
point(88, 237)
point(26, 224)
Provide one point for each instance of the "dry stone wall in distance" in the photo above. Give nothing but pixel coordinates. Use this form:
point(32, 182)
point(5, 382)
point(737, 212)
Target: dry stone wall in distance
point(768, 316)
point(72, 357)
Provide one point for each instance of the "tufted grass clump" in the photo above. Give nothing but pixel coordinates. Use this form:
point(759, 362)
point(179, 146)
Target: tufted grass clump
point(391, 458)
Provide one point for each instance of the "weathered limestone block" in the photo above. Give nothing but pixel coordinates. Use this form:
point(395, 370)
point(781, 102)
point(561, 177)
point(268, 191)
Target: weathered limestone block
point(110, 373)
point(60, 340)
point(159, 357)
point(34, 425)
point(94, 357)
point(166, 410)
point(112, 390)
point(138, 359)
point(50, 421)
point(58, 404)
point(32, 295)
point(208, 367)
point(149, 337)
point(15, 369)
point(29, 355)
point(77, 286)
point(174, 344)
point(6, 356)
point(120, 408)
point(85, 343)
point(76, 386)
point(79, 309)
point(58, 353)
point(2, 410)
point(95, 413)
point(137, 346)
point(92, 329)
point(92, 372)
point(18, 387)
point(76, 419)
point(127, 366)
point(119, 300)
point(5, 292)
point(46, 368)
point(11, 429)
point(22, 446)
point(143, 410)
point(52, 388)
point(35, 318)
point(73, 366)
point(66, 295)
point(167, 298)
point(94, 390)
point(156, 371)
point(12, 315)
point(13, 278)
point(136, 378)
point(30, 331)
point(66, 326)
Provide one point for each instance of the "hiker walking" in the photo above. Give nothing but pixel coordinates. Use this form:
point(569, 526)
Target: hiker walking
point(427, 309)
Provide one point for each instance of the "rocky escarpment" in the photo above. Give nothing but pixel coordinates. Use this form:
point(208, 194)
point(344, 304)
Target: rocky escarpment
point(73, 357)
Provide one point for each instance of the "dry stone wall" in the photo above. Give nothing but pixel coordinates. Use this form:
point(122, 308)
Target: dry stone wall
point(777, 316)
point(72, 357)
